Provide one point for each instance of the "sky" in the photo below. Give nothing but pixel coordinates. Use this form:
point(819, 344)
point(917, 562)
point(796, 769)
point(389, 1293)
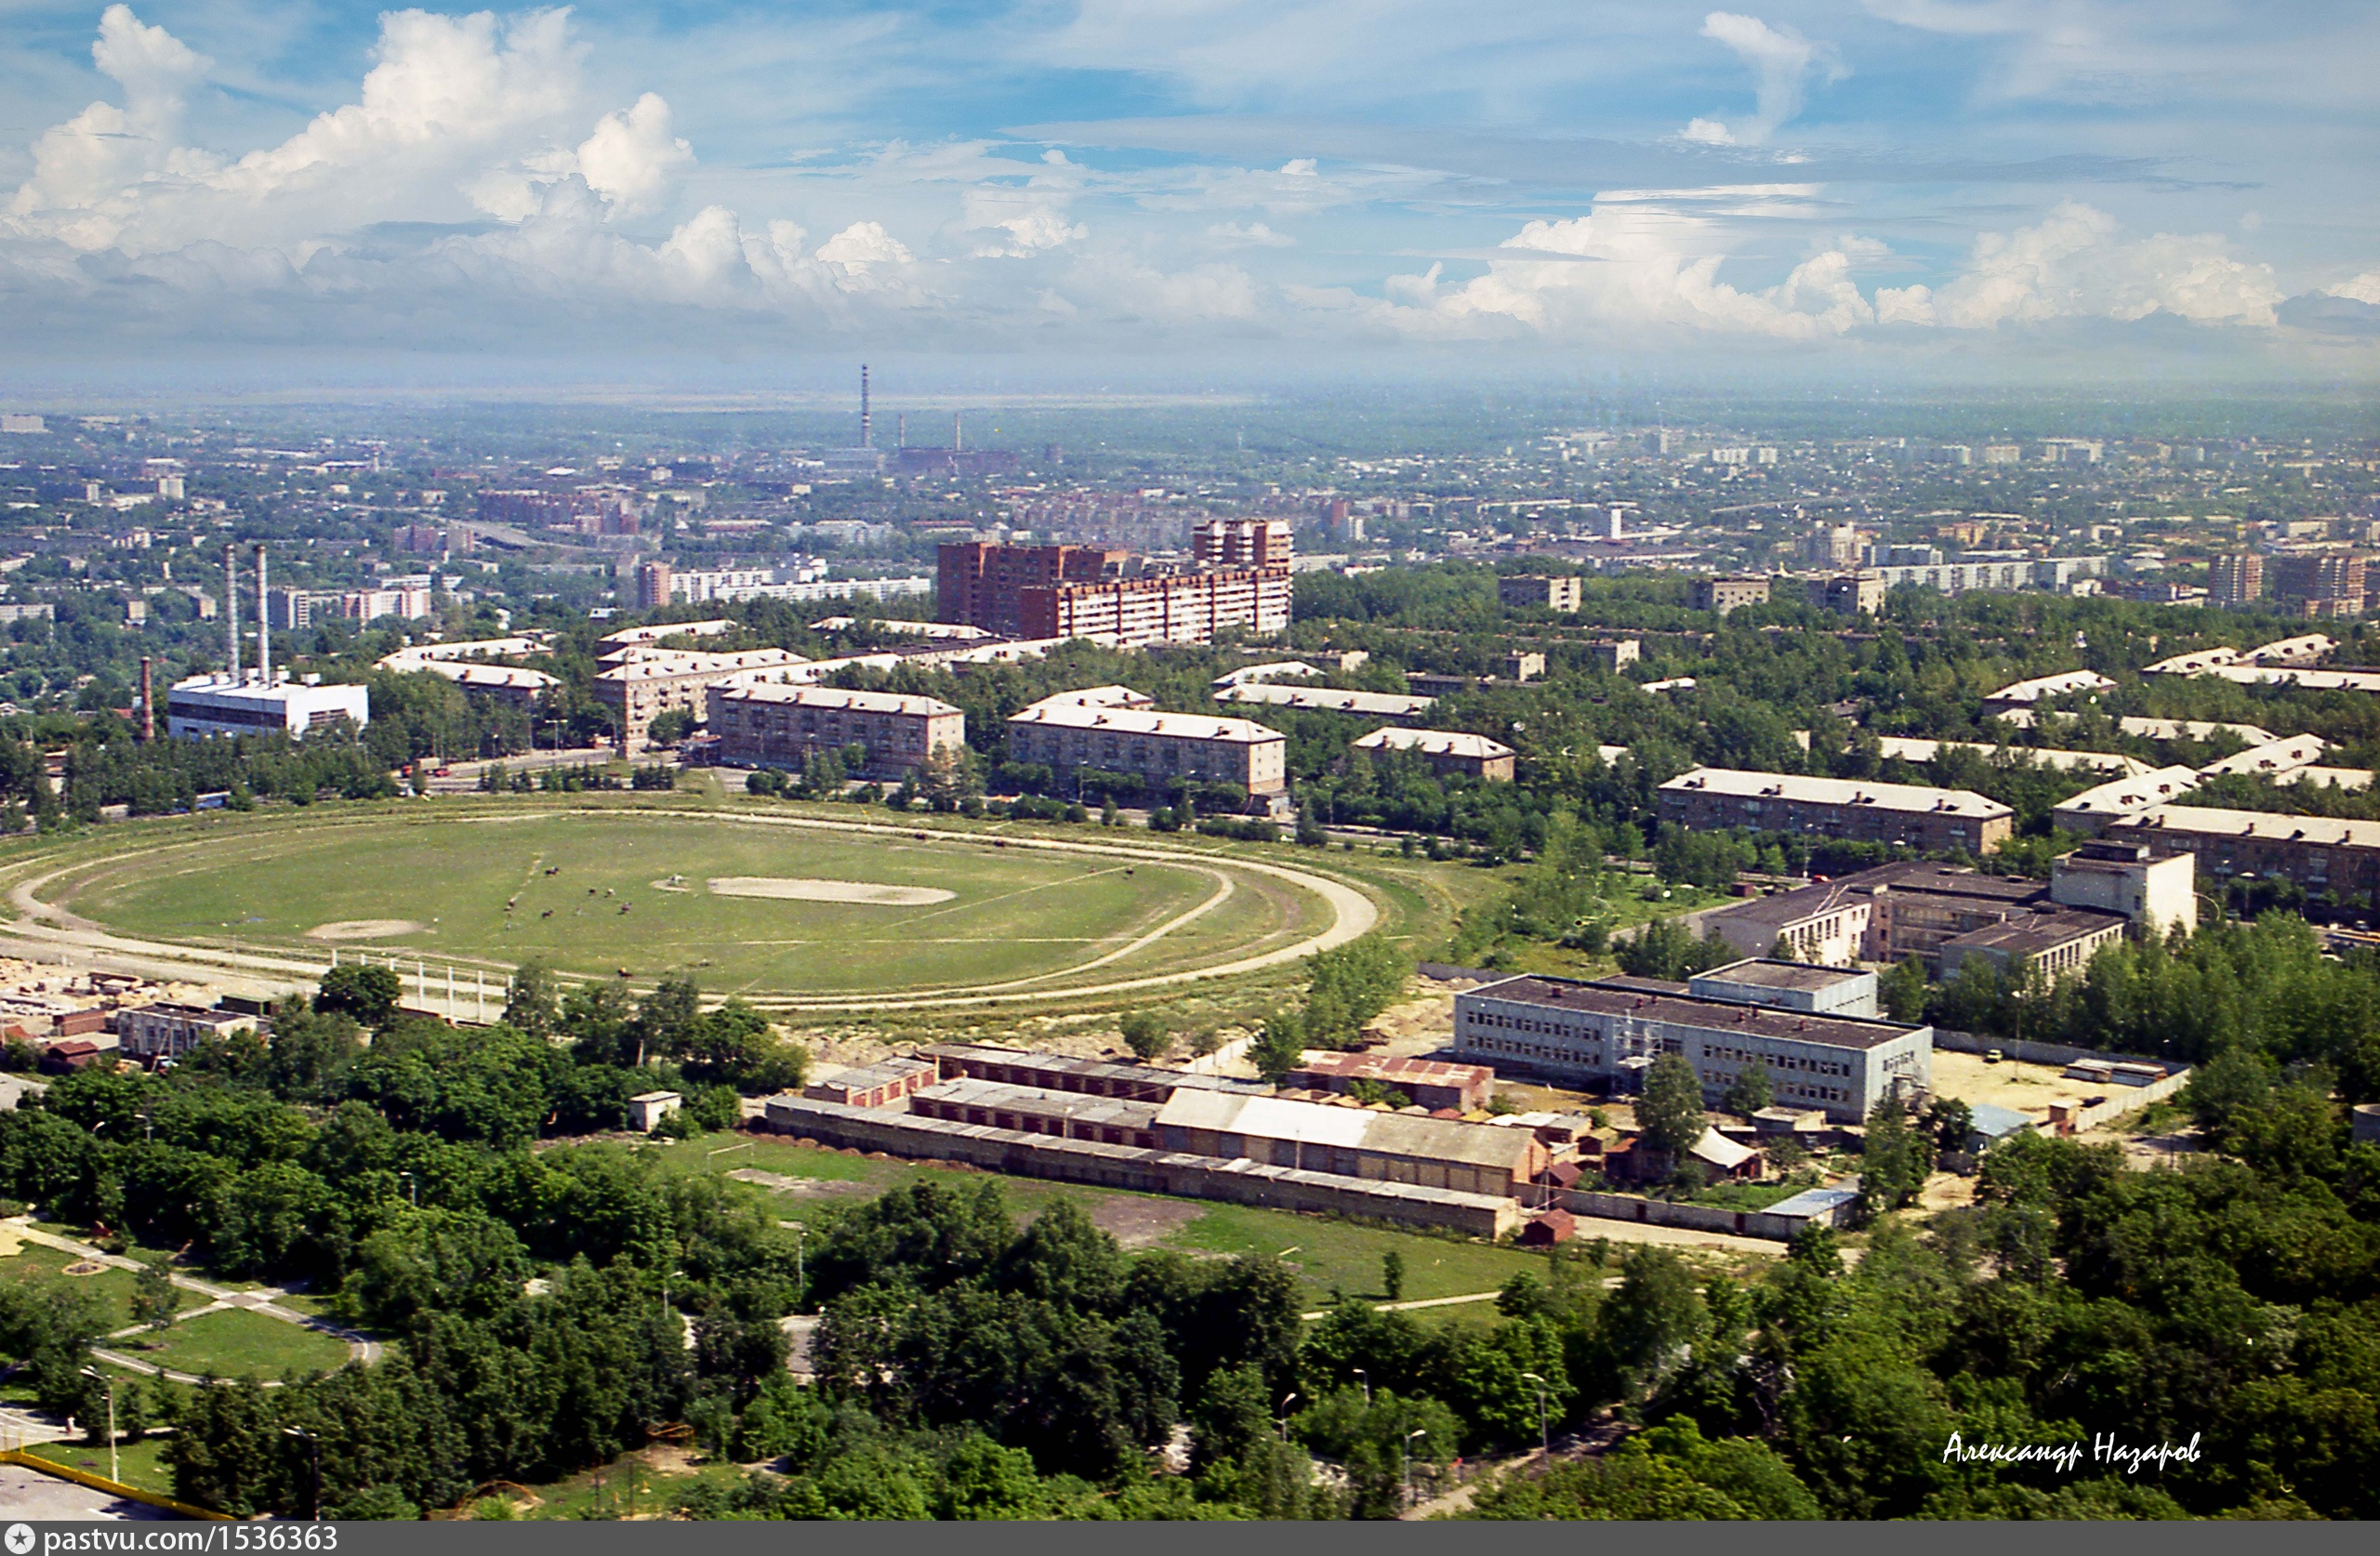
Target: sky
point(1995, 186)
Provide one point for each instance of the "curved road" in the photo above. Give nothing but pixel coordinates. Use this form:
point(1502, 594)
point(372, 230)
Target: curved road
point(1354, 913)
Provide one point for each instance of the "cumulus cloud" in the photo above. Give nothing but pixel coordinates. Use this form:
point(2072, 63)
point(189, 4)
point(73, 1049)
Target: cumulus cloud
point(1645, 261)
point(1782, 61)
point(632, 158)
point(863, 244)
point(444, 96)
point(1254, 235)
point(2364, 289)
point(106, 147)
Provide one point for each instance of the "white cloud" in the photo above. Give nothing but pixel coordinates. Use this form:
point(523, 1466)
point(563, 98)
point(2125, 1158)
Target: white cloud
point(2363, 288)
point(632, 158)
point(1782, 61)
point(1254, 235)
point(445, 96)
point(104, 148)
point(1033, 221)
point(2077, 264)
point(862, 245)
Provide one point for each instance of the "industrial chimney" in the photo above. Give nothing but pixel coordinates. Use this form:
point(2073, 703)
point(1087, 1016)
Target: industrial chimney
point(231, 608)
point(148, 703)
point(866, 432)
point(957, 433)
point(264, 620)
point(901, 430)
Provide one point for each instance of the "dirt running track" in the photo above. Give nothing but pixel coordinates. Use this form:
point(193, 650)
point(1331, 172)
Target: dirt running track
point(1354, 913)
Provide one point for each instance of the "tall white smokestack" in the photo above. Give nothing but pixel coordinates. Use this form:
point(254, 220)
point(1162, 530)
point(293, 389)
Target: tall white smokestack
point(264, 620)
point(866, 431)
point(231, 608)
point(957, 432)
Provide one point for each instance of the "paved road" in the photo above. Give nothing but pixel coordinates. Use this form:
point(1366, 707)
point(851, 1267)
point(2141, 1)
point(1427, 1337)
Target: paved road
point(217, 1298)
point(29, 1494)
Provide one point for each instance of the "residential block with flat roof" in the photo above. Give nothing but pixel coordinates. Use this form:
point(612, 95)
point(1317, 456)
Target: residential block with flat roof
point(1157, 748)
point(770, 725)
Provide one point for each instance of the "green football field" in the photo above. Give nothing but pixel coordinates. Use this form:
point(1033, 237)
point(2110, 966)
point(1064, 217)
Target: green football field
point(596, 890)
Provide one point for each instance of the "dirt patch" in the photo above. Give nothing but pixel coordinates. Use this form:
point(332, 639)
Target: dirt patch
point(802, 1188)
point(86, 1267)
point(799, 889)
point(1140, 1223)
point(366, 929)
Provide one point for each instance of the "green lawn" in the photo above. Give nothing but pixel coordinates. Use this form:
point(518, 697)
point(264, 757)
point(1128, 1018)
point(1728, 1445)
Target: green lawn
point(1015, 912)
point(141, 1465)
point(232, 1343)
point(1325, 1253)
point(112, 1286)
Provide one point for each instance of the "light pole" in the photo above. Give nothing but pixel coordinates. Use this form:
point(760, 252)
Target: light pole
point(1544, 1441)
point(1407, 1447)
point(1367, 1380)
point(413, 1189)
point(110, 1382)
point(1285, 1415)
point(316, 1444)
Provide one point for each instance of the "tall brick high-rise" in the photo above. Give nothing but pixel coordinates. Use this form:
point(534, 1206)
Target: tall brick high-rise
point(2236, 580)
point(1065, 591)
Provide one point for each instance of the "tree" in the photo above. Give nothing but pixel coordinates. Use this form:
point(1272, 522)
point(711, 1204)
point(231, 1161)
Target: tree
point(1279, 1047)
point(1894, 1162)
point(1750, 1091)
point(1904, 990)
point(1392, 1275)
point(1146, 1035)
point(155, 1297)
point(368, 993)
point(530, 1008)
point(1671, 1108)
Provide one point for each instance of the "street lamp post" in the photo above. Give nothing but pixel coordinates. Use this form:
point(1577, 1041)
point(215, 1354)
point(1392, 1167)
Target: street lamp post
point(1544, 1440)
point(316, 1444)
point(1284, 1416)
point(109, 1381)
point(413, 1189)
point(1367, 1380)
point(1407, 1446)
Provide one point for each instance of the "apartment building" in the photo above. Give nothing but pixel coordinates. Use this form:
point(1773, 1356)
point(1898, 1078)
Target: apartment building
point(649, 682)
point(1912, 815)
point(2318, 853)
point(1529, 593)
point(1449, 753)
point(2236, 580)
point(1242, 543)
point(1162, 607)
point(1161, 750)
point(1726, 595)
point(776, 725)
point(1395, 708)
point(1607, 1034)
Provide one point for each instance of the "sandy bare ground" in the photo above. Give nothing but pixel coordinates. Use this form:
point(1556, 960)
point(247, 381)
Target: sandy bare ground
point(794, 889)
point(802, 1188)
point(366, 929)
point(1140, 1223)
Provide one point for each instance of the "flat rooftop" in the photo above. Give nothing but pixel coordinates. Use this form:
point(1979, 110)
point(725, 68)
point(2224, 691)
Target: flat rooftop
point(1761, 973)
point(1800, 788)
point(1759, 1021)
point(2032, 933)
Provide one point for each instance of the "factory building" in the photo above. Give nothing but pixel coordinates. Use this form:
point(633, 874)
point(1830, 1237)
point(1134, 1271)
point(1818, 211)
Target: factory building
point(170, 1030)
point(204, 705)
point(1066, 734)
point(1608, 1033)
point(1427, 1083)
point(766, 725)
point(1936, 911)
point(1353, 1143)
point(1711, 798)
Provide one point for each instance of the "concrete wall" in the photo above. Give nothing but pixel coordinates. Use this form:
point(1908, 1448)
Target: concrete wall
point(1695, 1217)
point(1163, 1172)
